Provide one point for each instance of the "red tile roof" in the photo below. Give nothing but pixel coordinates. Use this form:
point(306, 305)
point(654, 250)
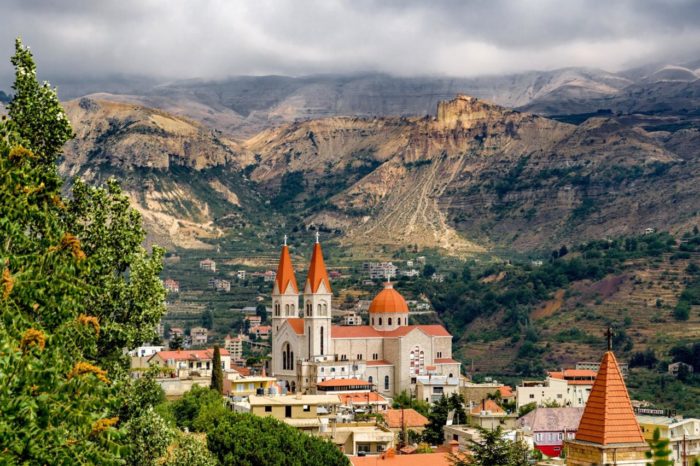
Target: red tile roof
point(575, 376)
point(366, 331)
point(285, 272)
point(297, 324)
point(487, 405)
point(342, 383)
point(190, 355)
point(421, 459)
point(388, 301)
point(608, 417)
point(348, 399)
point(317, 271)
point(445, 361)
point(380, 362)
point(506, 391)
point(411, 418)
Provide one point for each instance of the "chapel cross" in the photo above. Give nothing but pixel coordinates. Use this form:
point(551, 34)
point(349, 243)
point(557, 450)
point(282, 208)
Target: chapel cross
point(609, 335)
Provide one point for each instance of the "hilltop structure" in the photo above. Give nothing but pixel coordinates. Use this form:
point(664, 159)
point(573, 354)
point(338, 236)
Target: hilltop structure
point(609, 432)
point(388, 353)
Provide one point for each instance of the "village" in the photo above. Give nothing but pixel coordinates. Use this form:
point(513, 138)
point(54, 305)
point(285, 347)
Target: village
point(370, 381)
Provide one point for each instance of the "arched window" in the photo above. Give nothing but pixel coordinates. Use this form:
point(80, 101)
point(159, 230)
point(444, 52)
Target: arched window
point(284, 360)
point(369, 379)
point(325, 309)
point(386, 382)
point(380, 321)
point(372, 320)
point(309, 337)
point(286, 309)
point(450, 376)
point(389, 321)
point(398, 321)
point(287, 357)
point(292, 308)
point(322, 340)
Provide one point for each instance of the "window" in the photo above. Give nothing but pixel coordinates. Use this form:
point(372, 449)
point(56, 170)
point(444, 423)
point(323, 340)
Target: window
point(389, 321)
point(380, 321)
point(370, 379)
point(532, 396)
point(332, 369)
point(322, 340)
point(398, 321)
point(386, 382)
point(439, 354)
point(413, 380)
point(438, 390)
point(287, 411)
point(380, 448)
point(268, 409)
point(559, 395)
point(359, 357)
point(450, 376)
point(307, 408)
point(375, 356)
point(561, 436)
point(363, 448)
point(286, 309)
point(372, 320)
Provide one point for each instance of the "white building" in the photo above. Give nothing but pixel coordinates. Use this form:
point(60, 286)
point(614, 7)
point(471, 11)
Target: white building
point(199, 335)
point(234, 345)
point(207, 264)
point(388, 353)
point(570, 387)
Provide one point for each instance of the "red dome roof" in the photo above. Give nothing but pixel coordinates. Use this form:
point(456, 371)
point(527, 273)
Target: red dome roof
point(388, 301)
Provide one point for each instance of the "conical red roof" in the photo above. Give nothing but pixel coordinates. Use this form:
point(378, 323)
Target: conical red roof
point(317, 270)
point(608, 417)
point(285, 272)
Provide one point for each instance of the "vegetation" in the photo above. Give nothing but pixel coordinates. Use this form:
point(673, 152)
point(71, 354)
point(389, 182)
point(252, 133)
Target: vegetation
point(493, 450)
point(439, 413)
point(660, 452)
point(217, 374)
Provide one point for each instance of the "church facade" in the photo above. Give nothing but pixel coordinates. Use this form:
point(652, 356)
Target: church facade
point(389, 353)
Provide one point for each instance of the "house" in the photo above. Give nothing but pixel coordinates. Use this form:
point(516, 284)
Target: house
point(408, 418)
point(474, 393)
point(352, 318)
point(208, 265)
point(261, 331)
point(431, 388)
point(410, 273)
point(307, 413)
point(241, 274)
point(349, 385)
point(550, 427)
point(392, 459)
point(409, 263)
point(139, 356)
point(199, 336)
point(380, 270)
point(360, 438)
point(490, 416)
point(190, 363)
point(234, 345)
point(364, 401)
point(464, 435)
point(683, 435)
point(236, 385)
point(334, 274)
point(176, 332)
point(594, 366)
point(437, 277)
point(570, 387)
point(171, 286)
point(269, 276)
point(222, 285)
point(254, 321)
point(675, 367)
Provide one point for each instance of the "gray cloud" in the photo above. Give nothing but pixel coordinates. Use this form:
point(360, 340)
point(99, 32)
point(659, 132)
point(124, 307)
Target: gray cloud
point(165, 39)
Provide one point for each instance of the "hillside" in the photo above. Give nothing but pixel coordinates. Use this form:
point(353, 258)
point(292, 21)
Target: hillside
point(476, 177)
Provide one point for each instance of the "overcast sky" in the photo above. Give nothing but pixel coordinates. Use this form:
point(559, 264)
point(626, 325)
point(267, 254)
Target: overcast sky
point(169, 39)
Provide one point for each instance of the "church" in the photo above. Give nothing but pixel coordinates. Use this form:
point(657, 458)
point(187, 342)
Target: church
point(389, 353)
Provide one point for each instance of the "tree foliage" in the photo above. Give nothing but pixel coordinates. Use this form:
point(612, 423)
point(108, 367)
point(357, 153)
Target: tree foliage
point(439, 413)
point(493, 450)
point(62, 375)
point(217, 374)
point(660, 451)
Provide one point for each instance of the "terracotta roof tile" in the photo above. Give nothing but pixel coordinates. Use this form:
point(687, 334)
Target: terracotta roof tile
point(297, 324)
point(552, 419)
point(388, 301)
point(506, 391)
point(608, 417)
point(366, 331)
point(361, 398)
point(421, 459)
point(445, 361)
point(343, 383)
point(489, 406)
point(285, 272)
point(411, 417)
point(380, 362)
point(187, 355)
point(317, 271)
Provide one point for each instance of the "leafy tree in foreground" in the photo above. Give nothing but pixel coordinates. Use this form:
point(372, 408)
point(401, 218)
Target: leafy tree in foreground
point(217, 374)
point(245, 439)
point(189, 450)
point(439, 413)
point(75, 289)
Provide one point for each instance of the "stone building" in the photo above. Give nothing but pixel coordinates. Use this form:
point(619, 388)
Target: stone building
point(388, 353)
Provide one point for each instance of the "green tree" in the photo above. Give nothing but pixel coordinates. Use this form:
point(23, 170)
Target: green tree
point(188, 450)
point(245, 439)
point(660, 452)
point(439, 413)
point(208, 319)
point(493, 450)
point(175, 343)
point(149, 437)
point(217, 374)
point(261, 311)
point(190, 410)
point(57, 405)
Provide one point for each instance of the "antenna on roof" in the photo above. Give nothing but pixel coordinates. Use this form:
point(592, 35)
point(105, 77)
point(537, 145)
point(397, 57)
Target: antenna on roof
point(317, 235)
point(285, 240)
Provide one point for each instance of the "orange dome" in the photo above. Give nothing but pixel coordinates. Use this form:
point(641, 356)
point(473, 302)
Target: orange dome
point(388, 301)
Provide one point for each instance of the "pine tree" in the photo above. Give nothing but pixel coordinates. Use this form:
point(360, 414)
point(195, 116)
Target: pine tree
point(217, 374)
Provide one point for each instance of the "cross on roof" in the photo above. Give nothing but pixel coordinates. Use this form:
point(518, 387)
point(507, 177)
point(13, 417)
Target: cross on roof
point(285, 240)
point(609, 335)
point(317, 235)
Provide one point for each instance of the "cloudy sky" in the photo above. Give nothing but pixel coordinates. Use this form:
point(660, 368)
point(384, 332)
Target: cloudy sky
point(168, 39)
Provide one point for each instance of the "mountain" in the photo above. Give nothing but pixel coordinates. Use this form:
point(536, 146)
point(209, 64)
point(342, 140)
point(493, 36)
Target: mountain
point(184, 178)
point(243, 106)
